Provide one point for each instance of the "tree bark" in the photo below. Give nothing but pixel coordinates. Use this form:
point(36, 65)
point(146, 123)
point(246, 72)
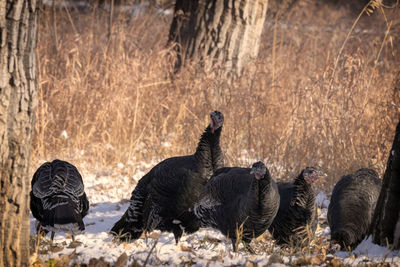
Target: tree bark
point(386, 214)
point(218, 32)
point(18, 97)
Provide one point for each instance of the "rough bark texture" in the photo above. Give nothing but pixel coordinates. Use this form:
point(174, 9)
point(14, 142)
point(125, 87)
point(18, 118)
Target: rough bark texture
point(387, 209)
point(218, 32)
point(18, 96)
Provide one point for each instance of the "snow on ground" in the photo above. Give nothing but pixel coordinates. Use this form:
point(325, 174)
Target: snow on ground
point(109, 193)
point(367, 251)
point(322, 200)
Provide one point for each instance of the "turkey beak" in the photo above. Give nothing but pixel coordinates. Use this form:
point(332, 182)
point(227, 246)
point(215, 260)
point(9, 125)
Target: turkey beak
point(322, 174)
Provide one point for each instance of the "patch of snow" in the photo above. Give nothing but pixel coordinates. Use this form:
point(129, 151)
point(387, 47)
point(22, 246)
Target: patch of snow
point(322, 200)
point(326, 231)
point(370, 252)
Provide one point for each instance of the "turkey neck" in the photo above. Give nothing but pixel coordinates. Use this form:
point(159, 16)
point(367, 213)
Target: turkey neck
point(259, 188)
point(217, 158)
point(208, 153)
point(303, 192)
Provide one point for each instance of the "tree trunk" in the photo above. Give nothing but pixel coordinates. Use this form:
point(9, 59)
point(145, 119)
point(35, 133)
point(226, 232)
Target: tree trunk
point(222, 33)
point(18, 97)
point(386, 214)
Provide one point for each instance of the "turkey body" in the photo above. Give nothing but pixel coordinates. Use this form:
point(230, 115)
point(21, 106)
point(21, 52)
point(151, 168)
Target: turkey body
point(351, 208)
point(58, 200)
point(234, 201)
point(297, 209)
point(162, 198)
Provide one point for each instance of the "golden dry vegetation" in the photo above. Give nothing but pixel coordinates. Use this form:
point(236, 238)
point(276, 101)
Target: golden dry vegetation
point(320, 93)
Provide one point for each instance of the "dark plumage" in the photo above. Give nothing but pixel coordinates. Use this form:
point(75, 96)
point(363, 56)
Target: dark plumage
point(239, 197)
point(297, 209)
point(351, 208)
point(58, 200)
point(162, 198)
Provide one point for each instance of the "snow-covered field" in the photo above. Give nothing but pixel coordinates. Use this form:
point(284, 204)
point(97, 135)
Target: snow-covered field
point(109, 192)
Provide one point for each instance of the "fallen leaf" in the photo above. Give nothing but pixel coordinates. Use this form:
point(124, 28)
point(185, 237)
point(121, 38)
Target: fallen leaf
point(211, 239)
point(252, 264)
point(75, 244)
point(135, 264)
point(122, 260)
point(317, 260)
point(101, 262)
point(189, 262)
point(217, 258)
point(274, 258)
point(35, 261)
point(74, 255)
point(56, 248)
point(43, 251)
point(63, 260)
point(185, 248)
point(334, 263)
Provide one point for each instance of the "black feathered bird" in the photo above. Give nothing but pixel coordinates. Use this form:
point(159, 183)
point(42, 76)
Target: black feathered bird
point(162, 198)
point(297, 209)
point(240, 202)
point(351, 208)
point(58, 200)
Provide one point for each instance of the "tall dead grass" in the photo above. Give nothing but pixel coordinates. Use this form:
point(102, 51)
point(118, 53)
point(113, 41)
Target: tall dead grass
point(104, 101)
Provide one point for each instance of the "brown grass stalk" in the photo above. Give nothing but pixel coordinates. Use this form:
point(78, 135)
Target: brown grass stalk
point(118, 102)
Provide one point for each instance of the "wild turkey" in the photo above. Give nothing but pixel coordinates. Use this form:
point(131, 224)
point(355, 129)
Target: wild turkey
point(58, 200)
point(297, 209)
point(240, 202)
point(162, 198)
point(351, 208)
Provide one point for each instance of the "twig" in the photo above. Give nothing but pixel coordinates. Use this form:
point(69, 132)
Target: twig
point(383, 42)
point(70, 18)
point(345, 40)
point(148, 255)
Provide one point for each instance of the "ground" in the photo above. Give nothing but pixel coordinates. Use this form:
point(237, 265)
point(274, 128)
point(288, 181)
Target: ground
point(109, 192)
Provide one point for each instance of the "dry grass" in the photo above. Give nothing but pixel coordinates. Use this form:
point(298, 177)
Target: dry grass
point(306, 102)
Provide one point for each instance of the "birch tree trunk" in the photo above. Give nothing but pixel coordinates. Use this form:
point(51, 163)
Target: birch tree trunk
point(222, 33)
point(18, 97)
point(385, 226)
